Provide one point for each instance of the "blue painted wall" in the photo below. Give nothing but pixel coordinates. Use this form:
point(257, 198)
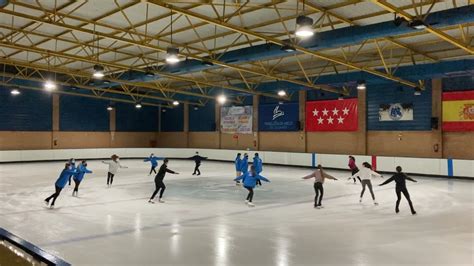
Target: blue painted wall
point(128, 118)
point(202, 119)
point(394, 93)
point(172, 119)
point(30, 111)
point(458, 83)
point(82, 114)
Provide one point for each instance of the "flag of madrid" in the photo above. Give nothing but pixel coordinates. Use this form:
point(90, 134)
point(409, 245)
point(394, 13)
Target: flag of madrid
point(334, 115)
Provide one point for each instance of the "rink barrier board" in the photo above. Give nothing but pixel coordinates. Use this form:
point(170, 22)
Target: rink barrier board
point(421, 166)
point(33, 250)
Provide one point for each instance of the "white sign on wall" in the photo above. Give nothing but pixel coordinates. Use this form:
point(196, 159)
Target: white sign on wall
point(236, 119)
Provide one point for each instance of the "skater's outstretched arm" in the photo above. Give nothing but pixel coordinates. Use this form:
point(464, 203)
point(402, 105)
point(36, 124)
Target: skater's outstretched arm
point(309, 176)
point(328, 176)
point(375, 173)
point(240, 177)
point(122, 166)
point(409, 178)
point(147, 159)
point(105, 162)
point(87, 171)
point(388, 181)
point(259, 177)
point(171, 171)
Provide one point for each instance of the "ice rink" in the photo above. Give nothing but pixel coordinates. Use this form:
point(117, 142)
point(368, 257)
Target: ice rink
point(205, 221)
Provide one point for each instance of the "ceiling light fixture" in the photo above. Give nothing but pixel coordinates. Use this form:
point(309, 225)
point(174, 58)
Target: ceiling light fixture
point(417, 91)
point(304, 26)
point(281, 93)
point(49, 85)
point(98, 72)
point(15, 92)
point(288, 48)
point(221, 99)
point(138, 105)
point(361, 85)
point(175, 103)
point(417, 24)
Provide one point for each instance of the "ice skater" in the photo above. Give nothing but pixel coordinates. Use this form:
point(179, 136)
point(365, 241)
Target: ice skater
point(244, 166)
point(159, 181)
point(81, 170)
point(238, 166)
point(197, 160)
point(154, 162)
point(365, 174)
point(319, 176)
point(354, 169)
point(250, 181)
point(72, 162)
point(114, 165)
point(60, 184)
point(258, 163)
point(401, 187)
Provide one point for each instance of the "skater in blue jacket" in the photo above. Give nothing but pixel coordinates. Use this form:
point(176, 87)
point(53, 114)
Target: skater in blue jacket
point(244, 166)
point(81, 170)
point(60, 184)
point(250, 181)
point(238, 166)
point(257, 163)
point(154, 162)
point(72, 161)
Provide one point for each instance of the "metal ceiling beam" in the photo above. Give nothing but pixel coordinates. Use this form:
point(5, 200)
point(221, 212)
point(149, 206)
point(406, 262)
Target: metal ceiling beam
point(393, 9)
point(159, 49)
point(281, 43)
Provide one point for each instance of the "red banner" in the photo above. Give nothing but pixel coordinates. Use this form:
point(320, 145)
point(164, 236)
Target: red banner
point(335, 115)
point(458, 111)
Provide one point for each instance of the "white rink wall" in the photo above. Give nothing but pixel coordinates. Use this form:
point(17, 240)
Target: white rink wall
point(425, 166)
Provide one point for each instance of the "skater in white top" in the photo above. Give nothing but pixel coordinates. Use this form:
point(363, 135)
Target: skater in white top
point(365, 173)
point(114, 165)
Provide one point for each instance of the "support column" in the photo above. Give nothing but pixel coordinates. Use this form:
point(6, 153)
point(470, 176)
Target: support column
point(55, 118)
point(362, 121)
point(302, 118)
point(186, 122)
point(217, 121)
point(436, 113)
point(256, 134)
point(112, 126)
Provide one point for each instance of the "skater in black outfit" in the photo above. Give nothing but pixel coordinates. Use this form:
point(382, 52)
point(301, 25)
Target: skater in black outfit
point(401, 187)
point(159, 181)
point(197, 159)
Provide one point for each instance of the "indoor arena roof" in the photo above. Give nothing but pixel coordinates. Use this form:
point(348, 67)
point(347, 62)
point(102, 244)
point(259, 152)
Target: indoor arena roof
point(232, 47)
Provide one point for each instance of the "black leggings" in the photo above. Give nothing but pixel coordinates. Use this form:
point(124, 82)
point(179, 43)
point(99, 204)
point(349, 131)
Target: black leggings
point(110, 178)
point(70, 179)
point(54, 196)
point(158, 185)
point(153, 169)
point(318, 189)
point(403, 190)
point(367, 182)
point(250, 195)
point(196, 169)
point(76, 187)
point(259, 182)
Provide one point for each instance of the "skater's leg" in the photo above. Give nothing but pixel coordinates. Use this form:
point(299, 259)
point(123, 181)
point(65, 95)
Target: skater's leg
point(321, 191)
point(369, 184)
point(198, 171)
point(108, 178)
point(157, 187)
point(111, 179)
point(407, 196)
point(250, 194)
point(399, 197)
point(364, 183)
point(58, 191)
point(76, 187)
point(163, 187)
point(316, 194)
point(237, 174)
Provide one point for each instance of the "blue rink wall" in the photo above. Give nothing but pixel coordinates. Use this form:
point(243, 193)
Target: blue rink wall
point(423, 166)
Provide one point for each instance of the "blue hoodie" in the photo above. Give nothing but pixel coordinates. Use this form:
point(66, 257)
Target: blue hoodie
point(258, 164)
point(238, 164)
point(153, 160)
point(244, 165)
point(250, 180)
point(81, 171)
point(64, 177)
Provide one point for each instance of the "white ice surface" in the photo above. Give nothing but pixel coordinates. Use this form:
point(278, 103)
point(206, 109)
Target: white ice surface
point(205, 221)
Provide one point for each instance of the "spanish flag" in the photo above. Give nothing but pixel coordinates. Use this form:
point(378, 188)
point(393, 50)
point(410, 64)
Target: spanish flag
point(458, 111)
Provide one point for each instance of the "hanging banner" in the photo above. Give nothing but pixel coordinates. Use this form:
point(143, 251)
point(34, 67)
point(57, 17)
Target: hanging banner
point(396, 112)
point(278, 117)
point(334, 115)
point(458, 111)
point(236, 119)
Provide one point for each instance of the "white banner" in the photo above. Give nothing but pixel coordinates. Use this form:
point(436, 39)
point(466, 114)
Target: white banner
point(236, 119)
point(396, 112)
